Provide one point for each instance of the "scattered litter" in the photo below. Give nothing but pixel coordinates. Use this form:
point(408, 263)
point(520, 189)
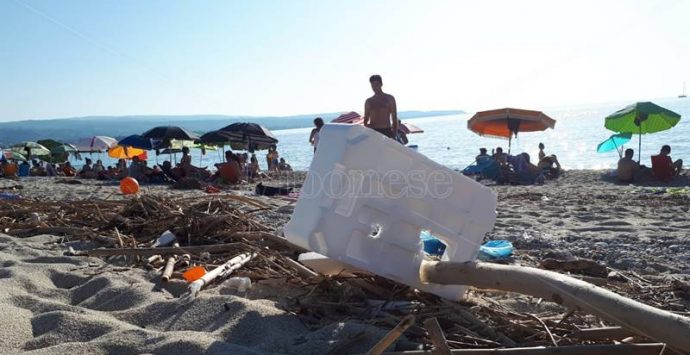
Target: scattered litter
point(194, 273)
point(497, 249)
point(242, 284)
point(6, 196)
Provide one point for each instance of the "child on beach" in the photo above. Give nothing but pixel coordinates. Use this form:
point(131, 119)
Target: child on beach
point(314, 136)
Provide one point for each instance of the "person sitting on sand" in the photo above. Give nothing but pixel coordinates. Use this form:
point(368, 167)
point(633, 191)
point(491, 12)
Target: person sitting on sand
point(189, 170)
point(663, 167)
point(228, 172)
point(37, 168)
point(9, 169)
point(550, 166)
point(627, 167)
point(50, 170)
point(167, 169)
point(283, 166)
point(121, 169)
point(482, 157)
point(500, 157)
point(98, 167)
point(156, 175)
point(111, 173)
point(68, 170)
point(87, 171)
point(136, 170)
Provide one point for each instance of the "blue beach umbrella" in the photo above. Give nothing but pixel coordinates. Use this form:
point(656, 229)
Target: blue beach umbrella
point(137, 141)
point(616, 141)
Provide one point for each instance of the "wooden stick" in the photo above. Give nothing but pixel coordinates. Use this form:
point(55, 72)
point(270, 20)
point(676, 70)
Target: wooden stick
point(602, 333)
point(394, 334)
point(657, 324)
point(604, 349)
point(272, 237)
point(303, 270)
point(169, 266)
point(194, 249)
point(437, 338)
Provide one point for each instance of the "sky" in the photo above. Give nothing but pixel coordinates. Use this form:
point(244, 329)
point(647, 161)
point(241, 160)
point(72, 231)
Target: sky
point(129, 57)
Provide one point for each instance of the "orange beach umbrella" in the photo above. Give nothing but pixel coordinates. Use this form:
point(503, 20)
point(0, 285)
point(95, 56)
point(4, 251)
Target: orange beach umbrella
point(508, 122)
point(123, 152)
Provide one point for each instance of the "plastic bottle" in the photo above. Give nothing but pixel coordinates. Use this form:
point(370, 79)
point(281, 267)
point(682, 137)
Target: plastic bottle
point(241, 283)
point(166, 239)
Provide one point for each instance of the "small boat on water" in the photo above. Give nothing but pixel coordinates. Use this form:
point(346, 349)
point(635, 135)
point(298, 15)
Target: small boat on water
point(683, 95)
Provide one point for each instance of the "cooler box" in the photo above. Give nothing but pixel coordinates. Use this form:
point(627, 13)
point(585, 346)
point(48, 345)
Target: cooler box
point(367, 199)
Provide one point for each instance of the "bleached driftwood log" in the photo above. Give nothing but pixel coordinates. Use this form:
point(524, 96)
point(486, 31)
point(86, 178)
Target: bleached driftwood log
point(642, 319)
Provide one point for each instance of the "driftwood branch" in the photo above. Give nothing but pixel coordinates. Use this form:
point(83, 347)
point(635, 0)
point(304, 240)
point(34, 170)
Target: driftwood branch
point(606, 349)
point(195, 249)
point(437, 338)
point(642, 319)
point(602, 333)
point(392, 336)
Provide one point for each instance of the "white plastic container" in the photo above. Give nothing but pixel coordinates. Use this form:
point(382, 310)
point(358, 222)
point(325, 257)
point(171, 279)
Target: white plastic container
point(367, 198)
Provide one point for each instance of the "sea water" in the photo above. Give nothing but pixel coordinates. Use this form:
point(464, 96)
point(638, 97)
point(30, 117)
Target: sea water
point(446, 139)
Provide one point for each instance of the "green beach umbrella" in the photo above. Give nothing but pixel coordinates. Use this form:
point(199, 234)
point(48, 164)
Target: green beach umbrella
point(641, 118)
point(36, 149)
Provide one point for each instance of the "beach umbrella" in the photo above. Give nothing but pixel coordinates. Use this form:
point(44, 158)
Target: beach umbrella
point(36, 149)
point(354, 118)
point(641, 118)
point(9, 154)
point(351, 117)
point(616, 142)
point(167, 133)
point(409, 128)
point(249, 135)
point(95, 144)
point(508, 122)
point(137, 141)
point(124, 152)
point(63, 149)
point(213, 137)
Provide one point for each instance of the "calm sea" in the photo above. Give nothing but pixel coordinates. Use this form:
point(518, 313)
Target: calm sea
point(446, 139)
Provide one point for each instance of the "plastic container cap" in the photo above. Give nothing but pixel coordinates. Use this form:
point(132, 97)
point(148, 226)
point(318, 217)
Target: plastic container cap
point(194, 273)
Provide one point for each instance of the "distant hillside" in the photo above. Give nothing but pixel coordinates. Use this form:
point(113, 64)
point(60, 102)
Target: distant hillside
point(70, 129)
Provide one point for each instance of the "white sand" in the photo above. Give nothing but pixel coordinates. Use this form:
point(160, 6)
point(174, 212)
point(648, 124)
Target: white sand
point(50, 303)
point(55, 304)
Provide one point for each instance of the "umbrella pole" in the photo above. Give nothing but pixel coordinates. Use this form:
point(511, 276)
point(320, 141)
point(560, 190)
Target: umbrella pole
point(510, 142)
point(617, 150)
point(639, 147)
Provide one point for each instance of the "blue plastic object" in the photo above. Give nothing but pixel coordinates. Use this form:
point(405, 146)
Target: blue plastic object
point(6, 196)
point(497, 248)
point(432, 246)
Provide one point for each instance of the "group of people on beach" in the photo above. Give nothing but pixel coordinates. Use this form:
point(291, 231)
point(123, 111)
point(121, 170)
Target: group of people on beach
point(514, 169)
point(235, 168)
point(663, 167)
point(380, 115)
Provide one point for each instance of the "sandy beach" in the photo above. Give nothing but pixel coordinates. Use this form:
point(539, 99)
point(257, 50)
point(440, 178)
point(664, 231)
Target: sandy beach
point(51, 303)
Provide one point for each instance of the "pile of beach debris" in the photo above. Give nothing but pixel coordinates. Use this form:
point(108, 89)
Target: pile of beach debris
point(241, 235)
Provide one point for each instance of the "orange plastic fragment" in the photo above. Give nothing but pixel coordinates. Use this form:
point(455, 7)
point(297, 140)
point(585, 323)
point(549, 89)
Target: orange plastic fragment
point(194, 273)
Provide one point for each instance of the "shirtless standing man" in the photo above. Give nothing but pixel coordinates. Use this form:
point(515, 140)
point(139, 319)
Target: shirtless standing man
point(380, 111)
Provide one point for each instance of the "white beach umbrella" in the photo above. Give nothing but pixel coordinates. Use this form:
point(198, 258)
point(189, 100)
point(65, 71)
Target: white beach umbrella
point(95, 144)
